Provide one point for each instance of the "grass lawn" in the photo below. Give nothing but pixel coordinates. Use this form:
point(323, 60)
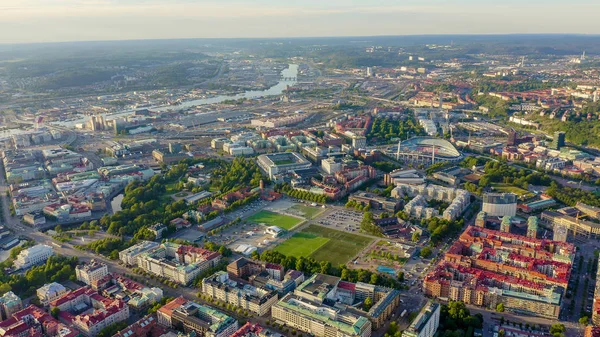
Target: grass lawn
point(324, 244)
point(301, 244)
point(273, 219)
point(171, 188)
point(283, 162)
point(309, 212)
point(506, 188)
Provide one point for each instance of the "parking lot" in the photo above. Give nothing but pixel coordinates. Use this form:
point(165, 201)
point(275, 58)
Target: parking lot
point(249, 209)
point(341, 219)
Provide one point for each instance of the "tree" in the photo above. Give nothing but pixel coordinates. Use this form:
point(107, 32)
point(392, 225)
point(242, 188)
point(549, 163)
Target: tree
point(58, 229)
point(368, 303)
point(500, 307)
point(4, 288)
point(401, 276)
point(583, 320)
point(54, 312)
point(557, 330)
point(416, 237)
point(501, 333)
point(426, 252)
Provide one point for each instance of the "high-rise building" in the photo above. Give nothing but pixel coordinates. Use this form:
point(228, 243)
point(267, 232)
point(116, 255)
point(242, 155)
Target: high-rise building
point(426, 323)
point(505, 224)
point(532, 227)
point(512, 138)
point(558, 141)
point(500, 204)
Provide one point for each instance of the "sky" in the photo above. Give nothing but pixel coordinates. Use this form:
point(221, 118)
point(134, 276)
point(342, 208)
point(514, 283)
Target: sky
point(26, 21)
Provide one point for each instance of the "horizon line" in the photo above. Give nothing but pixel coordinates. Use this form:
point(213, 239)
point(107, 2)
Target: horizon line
point(302, 37)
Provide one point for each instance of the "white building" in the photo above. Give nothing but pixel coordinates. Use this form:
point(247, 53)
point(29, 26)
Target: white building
point(426, 323)
point(280, 163)
point(49, 292)
point(129, 255)
point(331, 165)
point(359, 142)
point(274, 231)
point(90, 273)
point(35, 255)
point(500, 204)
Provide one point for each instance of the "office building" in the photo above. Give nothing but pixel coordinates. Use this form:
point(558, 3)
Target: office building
point(129, 256)
point(329, 294)
point(319, 320)
point(205, 321)
point(426, 323)
point(35, 255)
point(500, 204)
point(563, 224)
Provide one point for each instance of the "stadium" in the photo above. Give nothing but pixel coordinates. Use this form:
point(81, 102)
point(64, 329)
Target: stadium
point(280, 163)
point(425, 150)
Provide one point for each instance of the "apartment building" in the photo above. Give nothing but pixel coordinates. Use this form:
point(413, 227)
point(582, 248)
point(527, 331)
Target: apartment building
point(33, 321)
point(486, 267)
point(238, 293)
point(90, 312)
point(90, 273)
point(49, 292)
point(9, 304)
point(177, 262)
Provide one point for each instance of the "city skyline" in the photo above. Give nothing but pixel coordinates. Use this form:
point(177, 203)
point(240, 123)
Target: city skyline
point(30, 21)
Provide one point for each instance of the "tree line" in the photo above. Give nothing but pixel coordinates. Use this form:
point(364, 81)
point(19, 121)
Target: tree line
point(309, 265)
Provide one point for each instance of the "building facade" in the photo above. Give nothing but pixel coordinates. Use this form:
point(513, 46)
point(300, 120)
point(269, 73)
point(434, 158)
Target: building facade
point(89, 273)
point(35, 255)
point(49, 292)
point(426, 323)
point(500, 204)
point(242, 295)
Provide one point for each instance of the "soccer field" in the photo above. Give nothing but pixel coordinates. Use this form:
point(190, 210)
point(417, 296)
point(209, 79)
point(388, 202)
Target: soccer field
point(273, 219)
point(301, 244)
point(324, 244)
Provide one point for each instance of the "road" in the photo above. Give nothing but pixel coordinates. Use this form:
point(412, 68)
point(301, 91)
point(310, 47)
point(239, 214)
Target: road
point(68, 249)
point(491, 318)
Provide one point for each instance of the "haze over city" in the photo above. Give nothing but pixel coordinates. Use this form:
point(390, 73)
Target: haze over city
point(24, 21)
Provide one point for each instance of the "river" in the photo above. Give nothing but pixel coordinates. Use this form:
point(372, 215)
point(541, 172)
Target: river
point(290, 73)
